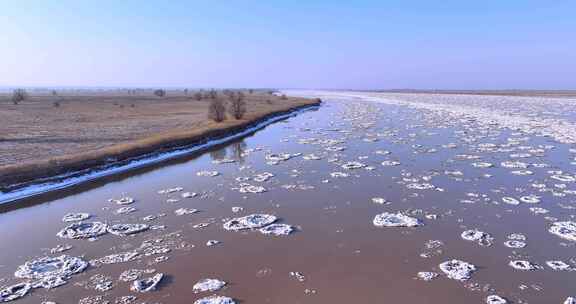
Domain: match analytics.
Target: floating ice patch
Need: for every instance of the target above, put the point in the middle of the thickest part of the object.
(184, 211)
(482, 165)
(215, 300)
(538, 210)
(564, 178)
(570, 300)
(75, 217)
(170, 190)
(565, 230)
(311, 157)
(115, 258)
(523, 265)
(262, 177)
(60, 248)
(494, 299)
(83, 230)
(277, 229)
(420, 186)
(457, 270)
(189, 194)
(252, 221)
(49, 282)
(510, 200)
(514, 164)
(530, 199)
(353, 165)
(474, 235)
(206, 285)
(390, 163)
(522, 172)
(14, 292)
(237, 209)
(379, 200)
(211, 243)
(206, 173)
(148, 284)
(339, 174)
(247, 188)
(46, 267)
(127, 229)
(514, 244)
(125, 210)
(559, 265)
(426, 275)
(395, 220)
(126, 200)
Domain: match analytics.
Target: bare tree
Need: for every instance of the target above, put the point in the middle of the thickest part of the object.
(160, 93)
(217, 110)
(237, 105)
(213, 94)
(198, 96)
(283, 97)
(18, 96)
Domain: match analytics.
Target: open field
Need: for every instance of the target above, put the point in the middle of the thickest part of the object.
(51, 133)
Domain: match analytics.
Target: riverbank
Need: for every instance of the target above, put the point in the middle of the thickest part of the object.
(101, 131)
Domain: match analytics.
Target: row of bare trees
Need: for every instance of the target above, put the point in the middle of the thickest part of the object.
(236, 106)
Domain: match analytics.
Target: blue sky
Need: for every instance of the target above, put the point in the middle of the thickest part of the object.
(290, 44)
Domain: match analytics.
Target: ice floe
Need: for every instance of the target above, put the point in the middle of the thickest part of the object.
(184, 211)
(51, 271)
(75, 217)
(277, 229)
(427, 275)
(474, 235)
(559, 265)
(125, 200)
(252, 221)
(215, 300)
(457, 269)
(14, 292)
(127, 229)
(83, 230)
(495, 299)
(206, 285)
(247, 188)
(565, 230)
(147, 284)
(523, 265)
(399, 219)
(207, 173)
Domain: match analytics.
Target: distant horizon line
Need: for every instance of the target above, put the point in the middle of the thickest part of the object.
(171, 87)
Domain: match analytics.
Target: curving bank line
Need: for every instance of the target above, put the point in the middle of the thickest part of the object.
(62, 181)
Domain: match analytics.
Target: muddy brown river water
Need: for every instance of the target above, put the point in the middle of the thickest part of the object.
(481, 164)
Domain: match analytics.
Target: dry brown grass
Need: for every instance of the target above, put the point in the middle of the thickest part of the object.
(88, 129)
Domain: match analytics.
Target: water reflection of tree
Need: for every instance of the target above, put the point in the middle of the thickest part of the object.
(237, 150)
(234, 151)
(218, 155)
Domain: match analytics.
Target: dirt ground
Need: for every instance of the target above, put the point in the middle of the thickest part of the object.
(45, 126)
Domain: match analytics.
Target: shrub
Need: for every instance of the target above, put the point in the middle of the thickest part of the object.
(283, 97)
(56, 104)
(198, 96)
(160, 93)
(217, 111)
(18, 96)
(237, 107)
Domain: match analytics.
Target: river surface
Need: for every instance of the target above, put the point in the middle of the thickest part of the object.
(502, 167)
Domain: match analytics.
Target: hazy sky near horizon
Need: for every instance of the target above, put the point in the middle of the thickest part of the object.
(290, 44)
